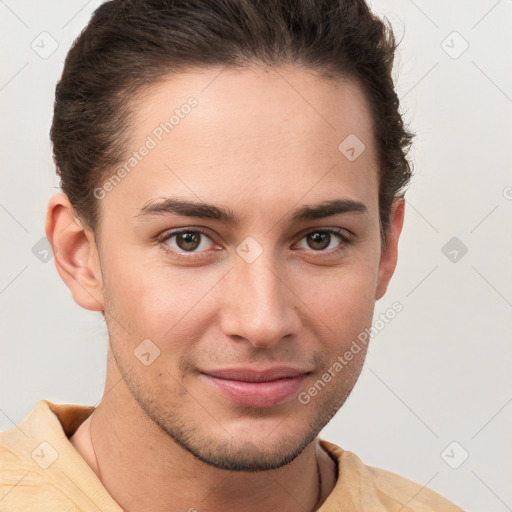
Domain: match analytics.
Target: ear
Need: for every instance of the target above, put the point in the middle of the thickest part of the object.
(389, 254)
(75, 253)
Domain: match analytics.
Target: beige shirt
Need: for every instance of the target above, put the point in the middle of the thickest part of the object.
(40, 470)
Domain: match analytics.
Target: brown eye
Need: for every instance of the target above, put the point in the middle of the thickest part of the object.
(188, 240)
(319, 240)
(191, 241)
(328, 241)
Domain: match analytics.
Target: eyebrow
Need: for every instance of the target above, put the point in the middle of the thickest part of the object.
(170, 205)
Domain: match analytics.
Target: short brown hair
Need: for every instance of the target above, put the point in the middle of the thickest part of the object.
(130, 44)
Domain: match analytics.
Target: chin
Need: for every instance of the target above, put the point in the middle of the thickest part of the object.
(247, 456)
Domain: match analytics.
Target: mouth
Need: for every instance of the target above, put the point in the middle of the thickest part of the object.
(256, 388)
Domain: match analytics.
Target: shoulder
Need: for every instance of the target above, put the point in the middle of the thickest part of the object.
(368, 488)
(28, 454)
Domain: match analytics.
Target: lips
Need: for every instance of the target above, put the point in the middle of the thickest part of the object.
(254, 387)
(252, 375)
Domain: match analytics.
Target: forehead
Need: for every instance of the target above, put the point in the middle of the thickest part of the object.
(251, 135)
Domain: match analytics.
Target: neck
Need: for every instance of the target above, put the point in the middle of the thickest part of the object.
(143, 468)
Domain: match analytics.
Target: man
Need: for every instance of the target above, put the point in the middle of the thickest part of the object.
(233, 178)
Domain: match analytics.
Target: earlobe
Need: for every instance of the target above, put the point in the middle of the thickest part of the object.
(75, 253)
(389, 255)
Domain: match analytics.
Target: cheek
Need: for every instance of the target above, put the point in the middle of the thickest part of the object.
(342, 306)
(345, 294)
(160, 302)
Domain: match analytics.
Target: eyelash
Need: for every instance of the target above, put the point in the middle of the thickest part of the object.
(165, 237)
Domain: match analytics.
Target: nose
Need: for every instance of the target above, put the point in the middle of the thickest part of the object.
(259, 304)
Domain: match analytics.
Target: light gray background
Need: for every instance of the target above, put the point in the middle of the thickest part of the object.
(439, 372)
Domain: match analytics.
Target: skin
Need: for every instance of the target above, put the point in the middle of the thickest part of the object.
(261, 142)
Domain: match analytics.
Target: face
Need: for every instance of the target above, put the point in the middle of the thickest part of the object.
(254, 275)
